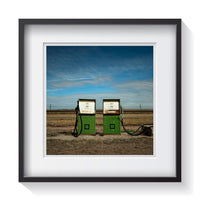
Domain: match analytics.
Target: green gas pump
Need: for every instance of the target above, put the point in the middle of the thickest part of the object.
(111, 116)
(86, 116)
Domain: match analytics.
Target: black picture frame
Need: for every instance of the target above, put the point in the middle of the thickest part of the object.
(24, 22)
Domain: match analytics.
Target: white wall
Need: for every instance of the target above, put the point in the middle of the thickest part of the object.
(11, 10)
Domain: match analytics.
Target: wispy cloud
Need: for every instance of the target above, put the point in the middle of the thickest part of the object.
(80, 82)
(138, 85)
(128, 99)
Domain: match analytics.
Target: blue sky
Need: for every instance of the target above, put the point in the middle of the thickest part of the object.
(98, 72)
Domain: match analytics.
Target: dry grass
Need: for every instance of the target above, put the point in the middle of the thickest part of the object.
(60, 141)
(58, 119)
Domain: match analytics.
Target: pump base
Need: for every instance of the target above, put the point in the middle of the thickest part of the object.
(111, 124)
(86, 124)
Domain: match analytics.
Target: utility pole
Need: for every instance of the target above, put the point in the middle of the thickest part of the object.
(140, 106)
(50, 107)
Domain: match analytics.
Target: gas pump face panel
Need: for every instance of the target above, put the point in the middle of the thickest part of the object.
(87, 107)
(111, 117)
(111, 107)
(87, 118)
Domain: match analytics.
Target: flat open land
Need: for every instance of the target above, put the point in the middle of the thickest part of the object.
(60, 124)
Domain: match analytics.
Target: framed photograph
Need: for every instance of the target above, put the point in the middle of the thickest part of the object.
(100, 100)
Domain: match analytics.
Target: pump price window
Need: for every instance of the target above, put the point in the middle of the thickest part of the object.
(111, 107)
(87, 107)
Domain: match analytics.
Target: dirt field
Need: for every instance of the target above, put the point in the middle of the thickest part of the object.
(60, 141)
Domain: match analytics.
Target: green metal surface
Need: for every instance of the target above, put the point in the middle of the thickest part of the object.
(88, 124)
(111, 124)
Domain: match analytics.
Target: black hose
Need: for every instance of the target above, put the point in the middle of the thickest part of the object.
(75, 132)
(136, 133)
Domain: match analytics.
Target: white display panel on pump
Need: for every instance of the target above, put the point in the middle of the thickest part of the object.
(87, 106)
(111, 107)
